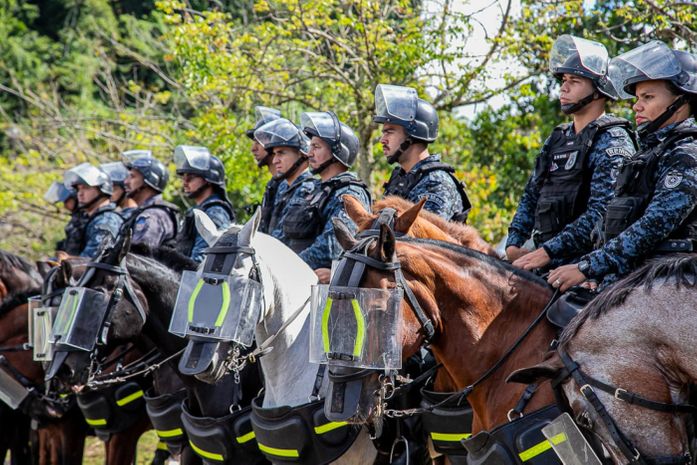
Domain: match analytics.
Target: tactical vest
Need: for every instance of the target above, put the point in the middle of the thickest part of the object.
(171, 210)
(277, 208)
(304, 222)
(635, 186)
(563, 177)
(267, 206)
(83, 238)
(401, 184)
(187, 232)
(74, 234)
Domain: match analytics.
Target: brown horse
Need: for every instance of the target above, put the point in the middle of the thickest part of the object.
(637, 336)
(479, 305)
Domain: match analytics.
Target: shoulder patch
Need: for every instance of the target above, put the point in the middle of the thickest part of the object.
(672, 180)
(617, 132)
(618, 152)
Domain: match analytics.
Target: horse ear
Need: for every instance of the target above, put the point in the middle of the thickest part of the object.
(355, 211)
(66, 272)
(549, 369)
(206, 227)
(343, 234)
(406, 219)
(250, 228)
(44, 266)
(386, 244)
(125, 245)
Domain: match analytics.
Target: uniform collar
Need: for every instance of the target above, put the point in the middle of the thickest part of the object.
(345, 174)
(659, 136)
(152, 200)
(429, 159)
(304, 176)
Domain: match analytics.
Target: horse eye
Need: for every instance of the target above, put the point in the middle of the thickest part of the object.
(584, 419)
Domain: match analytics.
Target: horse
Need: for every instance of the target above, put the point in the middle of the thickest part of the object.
(59, 436)
(634, 342)
(153, 276)
(282, 334)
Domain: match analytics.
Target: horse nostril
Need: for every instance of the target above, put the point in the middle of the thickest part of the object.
(584, 419)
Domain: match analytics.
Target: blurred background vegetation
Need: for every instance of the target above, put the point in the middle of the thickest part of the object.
(83, 80)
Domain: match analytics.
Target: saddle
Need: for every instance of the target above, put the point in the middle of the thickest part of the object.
(569, 305)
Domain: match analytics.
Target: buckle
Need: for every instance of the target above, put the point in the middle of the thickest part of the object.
(513, 411)
(586, 386)
(618, 392)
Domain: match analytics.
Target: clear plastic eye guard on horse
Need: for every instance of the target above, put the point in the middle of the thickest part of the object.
(217, 307)
(356, 327)
(79, 319)
(40, 320)
(188, 156)
(569, 443)
(395, 102)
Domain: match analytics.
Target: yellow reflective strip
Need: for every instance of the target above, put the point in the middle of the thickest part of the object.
(452, 437)
(325, 325)
(192, 300)
(292, 453)
(245, 437)
(206, 455)
(360, 329)
(544, 446)
(331, 426)
(96, 421)
(161, 446)
(169, 433)
(225, 305)
(129, 398)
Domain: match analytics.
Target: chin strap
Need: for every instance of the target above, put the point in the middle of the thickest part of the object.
(570, 108)
(394, 158)
(264, 161)
(196, 193)
(89, 204)
(649, 127)
(292, 169)
(323, 166)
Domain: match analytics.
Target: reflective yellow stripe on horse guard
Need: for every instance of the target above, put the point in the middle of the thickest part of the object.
(543, 446)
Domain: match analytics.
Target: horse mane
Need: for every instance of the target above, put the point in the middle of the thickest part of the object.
(494, 262)
(461, 232)
(9, 262)
(15, 299)
(167, 256)
(681, 268)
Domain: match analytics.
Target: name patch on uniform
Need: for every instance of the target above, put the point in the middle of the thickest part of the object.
(672, 180)
(618, 151)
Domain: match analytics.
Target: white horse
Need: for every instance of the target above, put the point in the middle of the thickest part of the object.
(289, 377)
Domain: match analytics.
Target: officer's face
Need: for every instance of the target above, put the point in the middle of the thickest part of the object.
(191, 183)
(86, 194)
(118, 193)
(70, 204)
(133, 181)
(284, 158)
(319, 152)
(574, 88)
(258, 151)
(652, 99)
(392, 137)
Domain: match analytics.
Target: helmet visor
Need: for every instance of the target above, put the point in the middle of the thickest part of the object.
(323, 124)
(277, 132)
(395, 102)
(130, 156)
(116, 171)
(57, 192)
(651, 61)
(265, 114)
(573, 53)
(187, 156)
(84, 174)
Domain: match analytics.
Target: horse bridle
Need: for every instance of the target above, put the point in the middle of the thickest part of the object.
(587, 385)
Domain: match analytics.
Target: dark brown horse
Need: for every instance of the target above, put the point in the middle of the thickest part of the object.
(479, 305)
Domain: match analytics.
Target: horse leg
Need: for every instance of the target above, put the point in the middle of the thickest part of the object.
(121, 447)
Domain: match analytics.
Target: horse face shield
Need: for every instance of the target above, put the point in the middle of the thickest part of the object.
(217, 307)
(356, 327)
(569, 443)
(40, 320)
(79, 319)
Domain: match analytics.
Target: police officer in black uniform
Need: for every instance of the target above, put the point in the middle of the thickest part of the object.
(203, 176)
(75, 229)
(118, 173)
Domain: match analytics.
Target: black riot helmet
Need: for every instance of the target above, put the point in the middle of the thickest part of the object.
(341, 139)
(584, 58)
(117, 172)
(283, 133)
(88, 175)
(199, 161)
(262, 115)
(154, 172)
(655, 61)
(57, 192)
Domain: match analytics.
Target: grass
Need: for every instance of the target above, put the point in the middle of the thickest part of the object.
(94, 450)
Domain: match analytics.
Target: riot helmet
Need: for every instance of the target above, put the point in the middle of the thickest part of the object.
(154, 172)
(341, 139)
(116, 171)
(263, 115)
(58, 192)
(88, 175)
(282, 132)
(402, 106)
(199, 161)
(655, 61)
(584, 58)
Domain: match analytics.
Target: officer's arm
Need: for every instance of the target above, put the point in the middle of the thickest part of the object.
(148, 230)
(604, 160)
(674, 199)
(96, 235)
(520, 229)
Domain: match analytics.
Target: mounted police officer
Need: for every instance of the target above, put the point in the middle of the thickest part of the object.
(288, 145)
(275, 187)
(574, 175)
(203, 176)
(118, 173)
(94, 190)
(75, 229)
(308, 223)
(409, 125)
(154, 221)
(653, 211)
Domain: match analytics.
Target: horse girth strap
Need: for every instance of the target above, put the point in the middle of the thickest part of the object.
(586, 385)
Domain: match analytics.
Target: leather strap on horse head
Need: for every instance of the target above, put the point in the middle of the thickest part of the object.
(587, 384)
